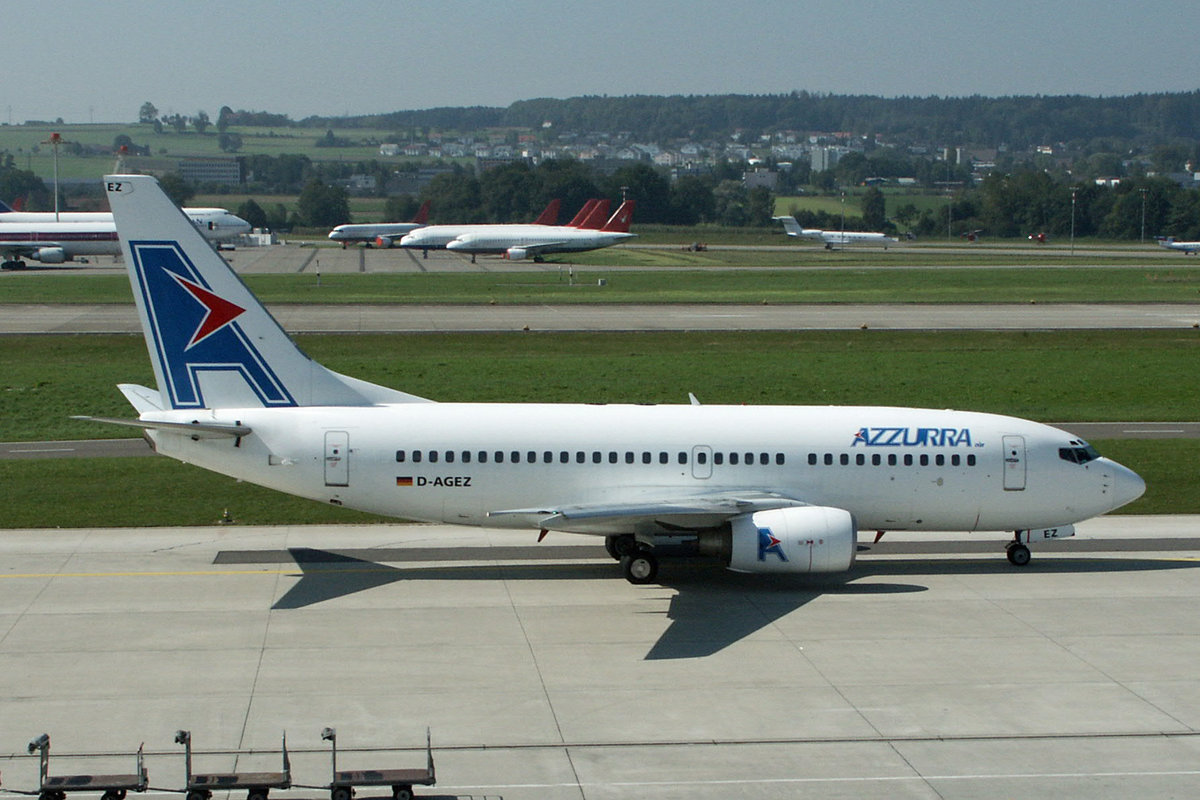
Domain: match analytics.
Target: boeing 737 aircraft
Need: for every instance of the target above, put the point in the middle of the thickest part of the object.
(36, 235)
(834, 239)
(382, 234)
(1188, 248)
(765, 489)
(535, 241)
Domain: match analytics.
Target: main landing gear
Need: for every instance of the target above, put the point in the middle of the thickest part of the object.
(638, 564)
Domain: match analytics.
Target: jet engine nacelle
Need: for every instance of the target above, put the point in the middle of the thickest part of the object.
(516, 253)
(803, 539)
(383, 241)
(49, 255)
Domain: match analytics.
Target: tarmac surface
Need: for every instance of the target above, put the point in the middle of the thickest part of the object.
(933, 669)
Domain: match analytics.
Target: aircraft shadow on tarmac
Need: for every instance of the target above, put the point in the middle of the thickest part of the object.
(711, 608)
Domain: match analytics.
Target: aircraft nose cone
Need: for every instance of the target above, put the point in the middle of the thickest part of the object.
(1127, 485)
(455, 245)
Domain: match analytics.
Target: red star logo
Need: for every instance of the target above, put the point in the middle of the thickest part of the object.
(218, 312)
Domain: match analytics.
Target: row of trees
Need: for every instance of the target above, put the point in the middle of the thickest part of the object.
(1031, 202)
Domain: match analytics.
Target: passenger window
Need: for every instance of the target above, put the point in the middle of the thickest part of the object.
(483, 456)
(433, 456)
(734, 459)
(596, 456)
(530, 457)
(718, 458)
(970, 461)
(645, 456)
(940, 460)
(749, 459)
(564, 457)
(580, 456)
(663, 458)
(682, 457)
(860, 460)
(829, 459)
(955, 460)
(812, 459)
(908, 461)
(702, 457)
(466, 456)
(924, 460)
(612, 456)
(449, 456)
(547, 457)
(400, 456)
(628, 456)
(515, 457)
(764, 458)
(844, 459)
(876, 459)
(499, 456)
(779, 459)
(416, 456)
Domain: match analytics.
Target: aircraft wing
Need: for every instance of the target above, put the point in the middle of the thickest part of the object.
(541, 247)
(666, 514)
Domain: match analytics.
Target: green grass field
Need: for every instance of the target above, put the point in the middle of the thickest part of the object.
(842, 284)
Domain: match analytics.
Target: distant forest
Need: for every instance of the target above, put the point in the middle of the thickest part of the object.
(1018, 122)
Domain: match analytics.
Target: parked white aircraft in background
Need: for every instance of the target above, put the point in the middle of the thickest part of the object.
(381, 234)
(1187, 247)
(778, 489)
(218, 224)
(833, 239)
(435, 237)
(535, 241)
(37, 236)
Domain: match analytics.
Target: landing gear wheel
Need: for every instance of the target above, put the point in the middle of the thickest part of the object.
(341, 793)
(623, 545)
(610, 547)
(402, 793)
(1018, 554)
(639, 568)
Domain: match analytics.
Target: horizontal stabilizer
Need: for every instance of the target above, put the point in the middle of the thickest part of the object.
(202, 430)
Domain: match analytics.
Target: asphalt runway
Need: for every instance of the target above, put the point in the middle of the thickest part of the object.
(933, 669)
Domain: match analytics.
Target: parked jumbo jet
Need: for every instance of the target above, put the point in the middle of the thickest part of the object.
(36, 235)
(535, 241)
(765, 489)
(834, 239)
(435, 237)
(381, 234)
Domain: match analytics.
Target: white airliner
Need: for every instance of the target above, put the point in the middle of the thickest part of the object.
(834, 239)
(1188, 248)
(36, 235)
(764, 489)
(535, 241)
(435, 237)
(381, 234)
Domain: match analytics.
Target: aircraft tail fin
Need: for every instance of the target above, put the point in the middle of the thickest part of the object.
(577, 220)
(597, 216)
(790, 225)
(422, 215)
(212, 343)
(619, 221)
(550, 215)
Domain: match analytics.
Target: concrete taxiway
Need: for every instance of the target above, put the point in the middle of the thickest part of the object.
(931, 670)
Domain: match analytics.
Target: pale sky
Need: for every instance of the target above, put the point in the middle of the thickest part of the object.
(84, 60)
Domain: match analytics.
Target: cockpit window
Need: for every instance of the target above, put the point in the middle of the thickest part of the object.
(1080, 452)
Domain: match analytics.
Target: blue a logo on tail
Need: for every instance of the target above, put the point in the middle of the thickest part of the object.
(195, 331)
